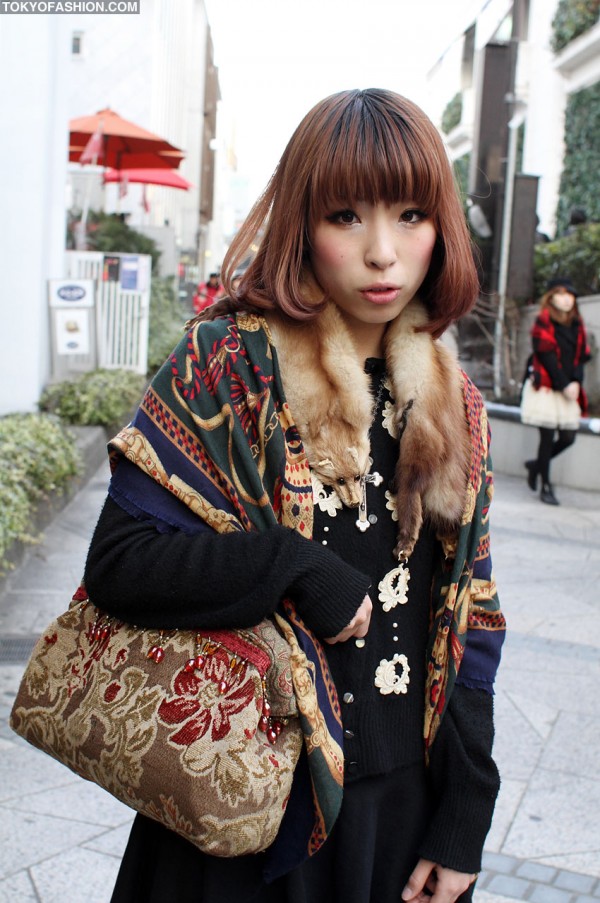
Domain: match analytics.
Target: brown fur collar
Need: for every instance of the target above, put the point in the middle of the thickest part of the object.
(329, 396)
(432, 471)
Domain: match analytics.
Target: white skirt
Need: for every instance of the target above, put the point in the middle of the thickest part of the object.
(548, 408)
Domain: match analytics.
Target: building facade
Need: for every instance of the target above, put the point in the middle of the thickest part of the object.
(540, 82)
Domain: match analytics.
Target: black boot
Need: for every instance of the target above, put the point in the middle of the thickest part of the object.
(532, 474)
(547, 495)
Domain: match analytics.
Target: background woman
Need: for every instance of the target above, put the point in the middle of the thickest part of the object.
(553, 397)
(315, 415)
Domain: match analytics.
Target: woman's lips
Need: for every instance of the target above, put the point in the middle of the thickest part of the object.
(380, 294)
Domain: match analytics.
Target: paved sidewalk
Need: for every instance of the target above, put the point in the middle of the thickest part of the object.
(61, 838)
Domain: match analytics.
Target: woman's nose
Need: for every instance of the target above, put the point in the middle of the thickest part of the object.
(381, 249)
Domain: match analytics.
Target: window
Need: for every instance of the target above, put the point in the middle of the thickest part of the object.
(77, 43)
(468, 55)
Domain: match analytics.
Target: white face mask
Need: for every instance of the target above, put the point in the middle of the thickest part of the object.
(563, 300)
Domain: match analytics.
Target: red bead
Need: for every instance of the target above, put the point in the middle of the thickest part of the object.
(266, 709)
(222, 686)
(200, 661)
(152, 652)
(190, 665)
(263, 724)
(159, 654)
(272, 735)
(278, 727)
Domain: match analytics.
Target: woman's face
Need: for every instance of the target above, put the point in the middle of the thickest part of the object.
(563, 300)
(370, 259)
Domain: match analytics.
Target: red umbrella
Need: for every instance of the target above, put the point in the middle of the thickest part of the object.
(167, 177)
(109, 140)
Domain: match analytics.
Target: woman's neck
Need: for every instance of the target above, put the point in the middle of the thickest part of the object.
(367, 338)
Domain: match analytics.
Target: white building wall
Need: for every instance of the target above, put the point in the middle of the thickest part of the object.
(546, 97)
(179, 64)
(34, 51)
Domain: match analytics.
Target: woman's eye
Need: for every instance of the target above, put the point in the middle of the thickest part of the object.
(412, 216)
(343, 217)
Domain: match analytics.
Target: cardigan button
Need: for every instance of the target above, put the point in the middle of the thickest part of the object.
(352, 767)
(348, 734)
(348, 698)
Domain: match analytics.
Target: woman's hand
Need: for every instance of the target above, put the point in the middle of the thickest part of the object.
(571, 391)
(358, 626)
(444, 885)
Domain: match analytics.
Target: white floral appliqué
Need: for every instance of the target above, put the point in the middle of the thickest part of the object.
(388, 412)
(393, 589)
(387, 678)
(325, 497)
(389, 419)
(390, 504)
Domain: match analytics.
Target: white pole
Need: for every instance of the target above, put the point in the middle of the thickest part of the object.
(509, 193)
(80, 227)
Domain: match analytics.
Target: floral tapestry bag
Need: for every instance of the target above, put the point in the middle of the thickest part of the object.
(197, 731)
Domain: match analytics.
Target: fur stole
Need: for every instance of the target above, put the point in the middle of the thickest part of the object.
(331, 403)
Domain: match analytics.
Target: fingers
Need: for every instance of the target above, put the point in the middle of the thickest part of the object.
(362, 619)
(413, 892)
(444, 885)
(571, 391)
(358, 626)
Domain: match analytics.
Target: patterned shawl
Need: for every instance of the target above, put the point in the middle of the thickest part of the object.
(468, 627)
(214, 431)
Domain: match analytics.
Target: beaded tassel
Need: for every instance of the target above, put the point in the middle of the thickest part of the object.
(269, 725)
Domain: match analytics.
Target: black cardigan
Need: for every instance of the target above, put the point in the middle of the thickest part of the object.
(152, 575)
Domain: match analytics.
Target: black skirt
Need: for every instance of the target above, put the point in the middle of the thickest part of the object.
(367, 859)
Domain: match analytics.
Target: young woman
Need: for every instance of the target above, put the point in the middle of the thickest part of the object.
(352, 454)
(554, 398)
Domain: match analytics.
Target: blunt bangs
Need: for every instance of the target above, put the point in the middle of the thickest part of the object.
(368, 152)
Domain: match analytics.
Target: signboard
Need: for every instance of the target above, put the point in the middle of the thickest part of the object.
(136, 270)
(130, 272)
(71, 293)
(111, 268)
(72, 331)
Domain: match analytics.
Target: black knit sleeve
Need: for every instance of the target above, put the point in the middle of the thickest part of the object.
(549, 362)
(465, 782)
(174, 579)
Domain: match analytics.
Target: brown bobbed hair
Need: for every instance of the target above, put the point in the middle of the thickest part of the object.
(371, 146)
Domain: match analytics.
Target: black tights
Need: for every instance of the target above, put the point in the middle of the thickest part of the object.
(548, 448)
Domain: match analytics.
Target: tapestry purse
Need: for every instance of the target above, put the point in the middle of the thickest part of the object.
(197, 731)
